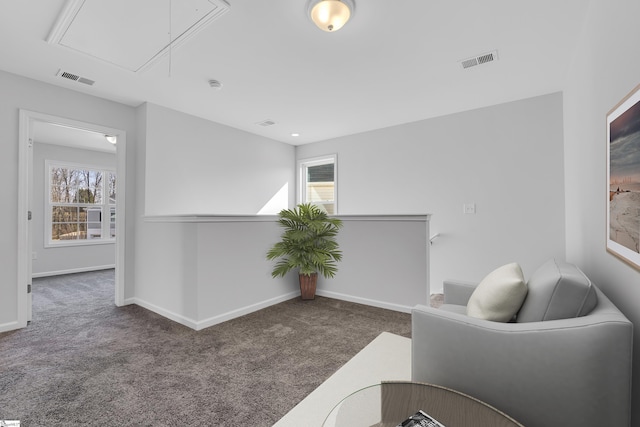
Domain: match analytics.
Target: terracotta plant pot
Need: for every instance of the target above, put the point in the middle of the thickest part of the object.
(308, 285)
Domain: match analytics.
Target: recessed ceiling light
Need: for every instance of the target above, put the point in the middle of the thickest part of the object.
(295, 134)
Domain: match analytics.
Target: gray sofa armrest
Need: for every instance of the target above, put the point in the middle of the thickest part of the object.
(457, 292)
(585, 360)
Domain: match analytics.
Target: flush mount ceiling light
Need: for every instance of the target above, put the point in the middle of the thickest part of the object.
(330, 15)
(111, 139)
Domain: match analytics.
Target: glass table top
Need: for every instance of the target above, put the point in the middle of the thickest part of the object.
(389, 404)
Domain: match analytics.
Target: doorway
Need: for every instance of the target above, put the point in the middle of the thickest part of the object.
(28, 120)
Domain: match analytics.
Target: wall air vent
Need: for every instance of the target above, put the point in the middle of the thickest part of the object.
(266, 123)
(75, 77)
(480, 59)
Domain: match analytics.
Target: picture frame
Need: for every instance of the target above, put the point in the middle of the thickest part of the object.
(623, 179)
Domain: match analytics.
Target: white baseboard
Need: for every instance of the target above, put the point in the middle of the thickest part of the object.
(244, 310)
(73, 270)
(178, 318)
(365, 301)
(10, 326)
(202, 324)
(198, 325)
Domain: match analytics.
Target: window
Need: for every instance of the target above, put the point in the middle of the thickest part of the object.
(318, 182)
(80, 204)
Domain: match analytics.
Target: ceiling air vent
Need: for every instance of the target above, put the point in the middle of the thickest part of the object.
(266, 123)
(75, 77)
(480, 59)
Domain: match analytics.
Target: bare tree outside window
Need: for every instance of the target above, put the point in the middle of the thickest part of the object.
(78, 205)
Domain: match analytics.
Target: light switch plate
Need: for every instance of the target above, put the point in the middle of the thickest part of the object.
(469, 208)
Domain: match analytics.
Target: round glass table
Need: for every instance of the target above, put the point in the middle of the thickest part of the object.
(390, 403)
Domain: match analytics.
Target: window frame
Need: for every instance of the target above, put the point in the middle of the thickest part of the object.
(305, 163)
(105, 206)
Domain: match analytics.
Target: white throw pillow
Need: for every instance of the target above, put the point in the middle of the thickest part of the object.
(500, 294)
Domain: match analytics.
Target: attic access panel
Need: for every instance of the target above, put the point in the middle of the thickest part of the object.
(132, 34)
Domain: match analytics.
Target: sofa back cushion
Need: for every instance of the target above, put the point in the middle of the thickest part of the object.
(557, 290)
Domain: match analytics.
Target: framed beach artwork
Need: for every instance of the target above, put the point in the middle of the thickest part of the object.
(623, 175)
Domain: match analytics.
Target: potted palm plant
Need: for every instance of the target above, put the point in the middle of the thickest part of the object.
(308, 244)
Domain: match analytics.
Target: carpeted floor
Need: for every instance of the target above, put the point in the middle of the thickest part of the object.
(83, 361)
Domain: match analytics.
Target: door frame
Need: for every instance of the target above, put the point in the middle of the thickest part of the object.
(25, 164)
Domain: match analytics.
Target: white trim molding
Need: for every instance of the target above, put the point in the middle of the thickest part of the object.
(74, 270)
(364, 301)
(25, 160)
(202, 324)
(244, 310)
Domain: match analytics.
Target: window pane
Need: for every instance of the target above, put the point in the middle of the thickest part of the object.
(64, 231)
(112, 222)
(112, 188)
(82, 214)
(330, 208)
(82, 231)
(55, 193)
(95, 186)
(83, 196)
(62, 185)
(320, 173)
(78, 198)
(94, 223)
(94, 230)
(319, 191)
(88, 186)
(64, 214)
(74, 184)
(320, 185)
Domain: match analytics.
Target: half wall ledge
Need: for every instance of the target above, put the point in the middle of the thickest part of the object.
(267, 218)
(212, 268)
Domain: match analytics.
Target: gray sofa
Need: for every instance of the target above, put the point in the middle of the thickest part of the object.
(565, 360)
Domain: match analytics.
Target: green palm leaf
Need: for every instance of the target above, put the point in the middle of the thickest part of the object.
(307, 242)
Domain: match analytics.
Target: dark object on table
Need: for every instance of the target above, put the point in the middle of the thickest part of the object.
(420, 419)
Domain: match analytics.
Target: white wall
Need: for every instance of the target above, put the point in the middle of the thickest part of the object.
(22, 93)
(69, 259)
(203, 271)
(605, 69)
(507, 159)
(384, 262)
(194, 166)
(195, 273)
(233, 274)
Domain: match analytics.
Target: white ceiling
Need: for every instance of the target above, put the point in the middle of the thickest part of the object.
(48, 133)
(387, 66)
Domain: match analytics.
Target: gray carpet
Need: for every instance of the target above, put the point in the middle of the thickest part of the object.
(83, 361)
